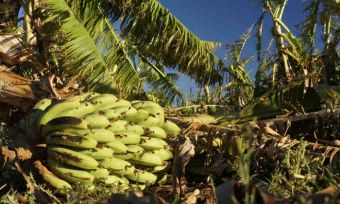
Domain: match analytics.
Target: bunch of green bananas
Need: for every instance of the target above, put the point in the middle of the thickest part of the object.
(97, 136)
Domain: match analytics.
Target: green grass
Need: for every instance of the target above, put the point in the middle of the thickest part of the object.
(299, 172)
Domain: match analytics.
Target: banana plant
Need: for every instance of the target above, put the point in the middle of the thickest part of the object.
(239, 88)
(323, 14)
(98, 44)
(275, 8)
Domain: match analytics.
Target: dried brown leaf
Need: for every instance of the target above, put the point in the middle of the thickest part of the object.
(23, 154)
(8, 155)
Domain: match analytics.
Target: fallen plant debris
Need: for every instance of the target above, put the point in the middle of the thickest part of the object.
(209, 151)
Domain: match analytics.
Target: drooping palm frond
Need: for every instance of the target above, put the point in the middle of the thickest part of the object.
(235, 48)
(308, 26)
(262, 78)
(162, 83)
(240, 73)
(239, 87)
(167, 90)
(161, 37)
(82, 56)
(112, 48)
(259, 35)
(296, 50)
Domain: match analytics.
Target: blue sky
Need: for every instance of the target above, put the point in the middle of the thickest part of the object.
(225, 20)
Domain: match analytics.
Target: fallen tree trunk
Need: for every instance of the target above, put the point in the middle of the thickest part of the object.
(17, 91)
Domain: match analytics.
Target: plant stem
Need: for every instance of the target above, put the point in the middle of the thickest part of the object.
(277, 14)
(29, 33)
(207, 93)
(326, 32)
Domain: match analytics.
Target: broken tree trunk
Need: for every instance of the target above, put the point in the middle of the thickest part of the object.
(18, 91)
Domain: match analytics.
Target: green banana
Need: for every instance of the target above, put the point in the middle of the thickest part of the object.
(74, 131)
(134, 128)
(121, 103)
(135, 102)
(124, 156)
(138, 116)
(124, 126)
(84, 109)
(141, 176)
(114, 164)
(151, 143)
(156, 132)
(152, 108)
(100, 173)
(71, 157)
(42, 104)
(101, 102)
(55, 110)
(145, 104)
(132, 151)
(127, 170)
(36, 113)
(117, 146)
(151, 121)
(158, 111)
(165, 144)
(147, 159)
(110, 114)
(71, 140)
(98, 153)
(61, 185)
(128, 137)
(171, 128)
(117, 126)
(112, 105)
(121, 109)
(82, 97)
(137, 186)
(70, 174)
(116, 180)
(135, 149)
(164, 154)
(63, 123)
(159, 168)
(96, 121)
(101, 135)
(129, 113)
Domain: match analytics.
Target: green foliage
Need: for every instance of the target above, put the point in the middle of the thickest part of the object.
(239, 88)
(309, 25)
(160, 36)
(162, 84)
(259, 34)
(80, 50)
(107, 58)
(116, 53)
(262, 77)
(297, 173)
